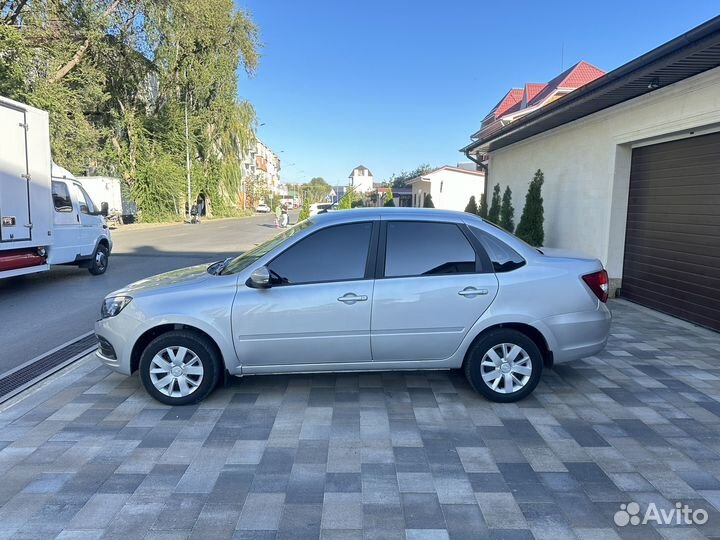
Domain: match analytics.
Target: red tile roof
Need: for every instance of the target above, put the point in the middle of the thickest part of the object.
(532, 90)
(572, 78)
(513, 97)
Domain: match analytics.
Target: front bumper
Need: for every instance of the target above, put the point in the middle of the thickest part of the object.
(581, 334)
(118, 332)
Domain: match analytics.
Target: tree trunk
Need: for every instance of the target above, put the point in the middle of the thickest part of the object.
(80, 53)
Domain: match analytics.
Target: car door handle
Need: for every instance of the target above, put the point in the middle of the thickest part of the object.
(472, 291)
(351, 298)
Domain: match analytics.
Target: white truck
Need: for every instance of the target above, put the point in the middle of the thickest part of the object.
(46, 217)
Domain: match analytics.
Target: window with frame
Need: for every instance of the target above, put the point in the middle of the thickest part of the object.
(337, 253)
(503, 257)
(420, 248)
(84, 201)
(61, 197)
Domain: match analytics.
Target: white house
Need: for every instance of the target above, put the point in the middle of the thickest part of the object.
(361, 179)
(632, 173)
(450, 187)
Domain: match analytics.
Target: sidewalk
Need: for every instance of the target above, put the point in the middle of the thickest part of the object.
(376, 455)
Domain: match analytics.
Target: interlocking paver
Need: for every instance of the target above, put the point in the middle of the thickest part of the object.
(376, 455)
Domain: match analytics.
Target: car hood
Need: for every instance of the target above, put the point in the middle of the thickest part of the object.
(174, 278)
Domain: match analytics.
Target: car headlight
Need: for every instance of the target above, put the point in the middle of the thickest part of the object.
(113, 305)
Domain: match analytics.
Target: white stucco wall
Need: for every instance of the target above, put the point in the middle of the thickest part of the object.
(587, 163)
(450, 190)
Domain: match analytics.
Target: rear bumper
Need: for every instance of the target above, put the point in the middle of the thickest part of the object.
(578, 335)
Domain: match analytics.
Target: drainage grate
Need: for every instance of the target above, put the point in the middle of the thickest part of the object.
(44, 366)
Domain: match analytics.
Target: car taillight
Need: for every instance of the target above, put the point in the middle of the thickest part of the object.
(598, 283)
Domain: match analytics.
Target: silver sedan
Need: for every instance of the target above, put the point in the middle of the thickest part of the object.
(357, 290)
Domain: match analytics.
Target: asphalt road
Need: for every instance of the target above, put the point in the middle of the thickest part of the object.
(42, 311)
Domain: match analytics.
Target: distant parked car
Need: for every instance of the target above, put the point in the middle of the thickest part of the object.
(262, 208)
(442, 290)
(320, 208)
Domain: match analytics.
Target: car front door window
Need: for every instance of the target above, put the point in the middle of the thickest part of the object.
(336, 253)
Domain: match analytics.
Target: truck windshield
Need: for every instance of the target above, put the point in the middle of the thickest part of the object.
(249, 257)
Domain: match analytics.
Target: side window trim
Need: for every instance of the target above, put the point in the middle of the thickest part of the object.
(483, 264)
(369, 262)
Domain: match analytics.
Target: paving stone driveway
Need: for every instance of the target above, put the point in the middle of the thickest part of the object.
(391, 455)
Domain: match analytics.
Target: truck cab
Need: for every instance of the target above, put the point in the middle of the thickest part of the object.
(81, 235)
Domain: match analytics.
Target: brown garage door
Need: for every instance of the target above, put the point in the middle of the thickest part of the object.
(672, 244)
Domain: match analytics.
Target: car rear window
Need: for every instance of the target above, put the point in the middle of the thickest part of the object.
(503, 257)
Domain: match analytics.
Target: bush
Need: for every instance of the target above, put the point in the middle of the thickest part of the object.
(483, 210)
(494, 212)
(507, 212)
(530, 227)
(428, 202)
(305, 211)
(471, 207)
(389, 198)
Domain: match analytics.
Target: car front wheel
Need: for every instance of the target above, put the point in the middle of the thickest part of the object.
(180, 368)
(504, 366)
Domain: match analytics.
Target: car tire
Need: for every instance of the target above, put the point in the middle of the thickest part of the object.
(100, 260)
(504, 356)
(200, 366)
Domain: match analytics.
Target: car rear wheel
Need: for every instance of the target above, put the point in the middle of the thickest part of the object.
(180, 367)
(505, 365)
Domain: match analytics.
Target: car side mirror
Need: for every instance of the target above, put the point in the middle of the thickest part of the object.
(260, 278)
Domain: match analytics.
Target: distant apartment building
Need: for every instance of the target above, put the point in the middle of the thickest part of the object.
(261, 163)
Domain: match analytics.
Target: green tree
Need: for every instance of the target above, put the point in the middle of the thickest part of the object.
(530, 227)
(399, 180)
(117, 78)
(346, 202)
(507, 212)
(494, 212)
(389, 200)
(472, 206)
(428, 202)
(483, 209)
(317, 189)
(305, 210)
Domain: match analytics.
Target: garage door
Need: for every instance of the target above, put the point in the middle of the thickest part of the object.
(672, 245)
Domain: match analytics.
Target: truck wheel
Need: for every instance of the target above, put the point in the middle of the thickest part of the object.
(99, 260)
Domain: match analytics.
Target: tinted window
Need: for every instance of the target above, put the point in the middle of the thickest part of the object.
(61, 197)
(333, 254)
(424, 249)
(503, 257)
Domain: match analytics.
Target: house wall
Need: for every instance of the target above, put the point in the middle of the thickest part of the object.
(450, 190)
(587, 164)
(419, 189)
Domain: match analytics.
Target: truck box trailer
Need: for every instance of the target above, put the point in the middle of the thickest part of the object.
(46, 217)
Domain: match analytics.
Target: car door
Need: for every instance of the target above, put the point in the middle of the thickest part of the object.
(317, 310)
(89, 221)
(434, 283)
(68, 242)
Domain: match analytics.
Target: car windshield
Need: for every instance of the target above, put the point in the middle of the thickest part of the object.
(243, 261)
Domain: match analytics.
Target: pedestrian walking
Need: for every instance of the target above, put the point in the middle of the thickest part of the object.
(278, 216)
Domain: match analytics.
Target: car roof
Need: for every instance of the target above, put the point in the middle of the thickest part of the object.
(391, 212)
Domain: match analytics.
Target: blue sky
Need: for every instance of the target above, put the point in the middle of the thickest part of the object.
(392, 84)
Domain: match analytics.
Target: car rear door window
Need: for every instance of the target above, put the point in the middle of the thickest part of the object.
(415, 248)
(336, 253)
(503, 257)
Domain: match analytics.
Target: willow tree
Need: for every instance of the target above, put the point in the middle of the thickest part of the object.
(116, 77)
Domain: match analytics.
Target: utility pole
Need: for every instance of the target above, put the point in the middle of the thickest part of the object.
(187, 155)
